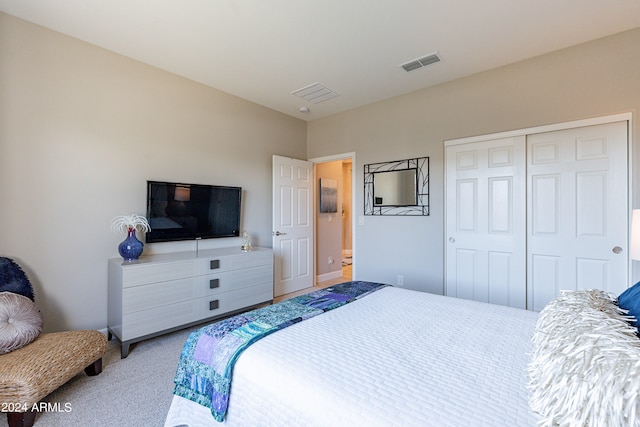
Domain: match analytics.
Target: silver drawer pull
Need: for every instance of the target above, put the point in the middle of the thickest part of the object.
(215, 263)
(213, 305)
(214, 283)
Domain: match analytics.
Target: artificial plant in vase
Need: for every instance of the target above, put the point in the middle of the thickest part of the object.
(130, 248)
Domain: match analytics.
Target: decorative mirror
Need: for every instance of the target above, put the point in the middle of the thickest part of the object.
(400, 187)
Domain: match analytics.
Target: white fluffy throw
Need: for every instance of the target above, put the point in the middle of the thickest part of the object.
(585, 366)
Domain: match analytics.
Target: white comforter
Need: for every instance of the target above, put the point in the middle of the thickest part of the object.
(395, 357)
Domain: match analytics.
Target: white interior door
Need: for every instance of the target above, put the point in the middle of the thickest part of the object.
(578, 207)
(293, 244)
(486, 230)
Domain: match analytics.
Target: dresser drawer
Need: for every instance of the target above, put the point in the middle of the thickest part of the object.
(140, 298)
(251, 259)
(240, 260)
(150, 321)
(141, 274)
(249, 277)
(232, 300)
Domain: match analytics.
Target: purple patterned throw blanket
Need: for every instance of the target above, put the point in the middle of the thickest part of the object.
(207, 359)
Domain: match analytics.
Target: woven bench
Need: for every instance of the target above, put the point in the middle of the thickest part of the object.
(30, 373)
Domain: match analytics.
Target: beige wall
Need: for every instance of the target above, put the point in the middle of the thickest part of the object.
(82, 129)
(594, 79)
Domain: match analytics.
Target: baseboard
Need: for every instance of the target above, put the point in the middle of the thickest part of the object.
(329, 276)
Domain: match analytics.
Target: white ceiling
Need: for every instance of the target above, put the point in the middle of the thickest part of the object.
(264, 50)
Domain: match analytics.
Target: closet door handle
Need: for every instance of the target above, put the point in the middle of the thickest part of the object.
(616, 249)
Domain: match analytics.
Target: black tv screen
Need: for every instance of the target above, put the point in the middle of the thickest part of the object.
(192, 211)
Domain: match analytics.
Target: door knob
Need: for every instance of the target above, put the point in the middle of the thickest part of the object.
(616, 249)
(277, 233)
(452, 240)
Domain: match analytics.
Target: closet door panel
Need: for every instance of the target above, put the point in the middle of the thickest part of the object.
(545, 204)
(591, 273)
(591, 198)
(500, 278)
(578, 198)
(486, 230)
(500, 205)
(544, 272)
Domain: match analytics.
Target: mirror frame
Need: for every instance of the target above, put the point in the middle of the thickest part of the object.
(421, 164)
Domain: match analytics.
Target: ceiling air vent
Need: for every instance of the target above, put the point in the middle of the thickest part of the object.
(421, 62)
(315, 93)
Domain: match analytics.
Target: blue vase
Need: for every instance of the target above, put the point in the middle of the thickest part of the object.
(131, 248)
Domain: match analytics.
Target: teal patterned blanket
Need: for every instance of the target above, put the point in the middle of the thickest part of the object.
(207, 359)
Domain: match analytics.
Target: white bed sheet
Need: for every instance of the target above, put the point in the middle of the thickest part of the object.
(394, 358)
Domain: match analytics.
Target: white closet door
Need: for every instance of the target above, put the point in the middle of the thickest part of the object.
(486, 231)
(578, 207)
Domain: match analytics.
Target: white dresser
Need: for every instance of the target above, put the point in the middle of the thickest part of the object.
(162, 293)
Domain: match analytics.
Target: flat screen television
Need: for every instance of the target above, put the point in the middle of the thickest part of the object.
(192, 211)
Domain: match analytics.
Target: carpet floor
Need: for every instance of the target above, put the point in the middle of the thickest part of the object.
(135, 391)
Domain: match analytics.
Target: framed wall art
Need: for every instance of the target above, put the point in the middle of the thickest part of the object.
(328, 195)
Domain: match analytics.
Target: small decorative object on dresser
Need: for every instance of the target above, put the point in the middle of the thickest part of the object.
(130, 248)
(246, 241)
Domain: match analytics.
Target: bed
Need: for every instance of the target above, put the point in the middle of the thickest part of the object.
(393, 357)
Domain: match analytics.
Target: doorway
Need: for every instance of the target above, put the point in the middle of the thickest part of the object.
(334, 248)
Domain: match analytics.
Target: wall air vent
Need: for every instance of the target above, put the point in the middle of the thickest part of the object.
(315, 93)
(434, 58)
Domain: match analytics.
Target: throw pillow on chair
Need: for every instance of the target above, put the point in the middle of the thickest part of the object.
(20, 321)
(13, 279)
